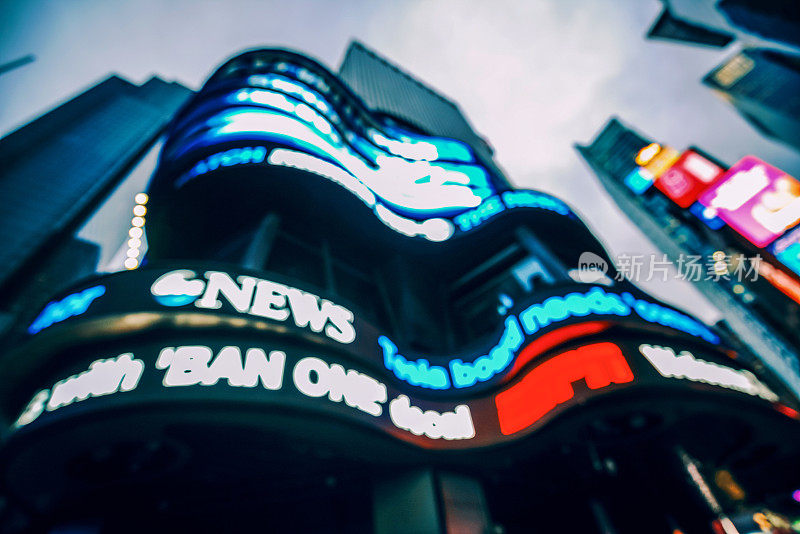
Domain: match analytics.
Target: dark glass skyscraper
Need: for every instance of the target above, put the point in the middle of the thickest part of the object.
(339, 316)
(762, 80)
(764, 86)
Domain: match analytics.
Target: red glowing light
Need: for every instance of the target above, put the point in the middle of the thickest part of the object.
(550, 384)
(789, 412)
(555, 338)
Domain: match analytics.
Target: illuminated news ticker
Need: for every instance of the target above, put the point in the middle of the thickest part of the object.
(600, 365)
(534, 325)
(685, 365)
(687, 178)
(254, 368)
(433, 229)
(520, 405)
(466, 371)
(413, 183)
(756, 199)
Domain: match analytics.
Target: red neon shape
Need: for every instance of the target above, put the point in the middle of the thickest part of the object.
(550, 384)
(555, 338)
(789, 412)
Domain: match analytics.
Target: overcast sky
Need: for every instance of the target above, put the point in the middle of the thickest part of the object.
(532, 76)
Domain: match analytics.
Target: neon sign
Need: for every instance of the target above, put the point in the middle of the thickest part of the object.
(69, 306)
(686, 366)
(707, 215)
(414, 183)
(688, 177)
(103, 377)
(787, 250)
(191, 365)
(532, 319)
(496, 204)
(257, 297)
(639, 180)
(756, 199)
(448, 425)
(186, 366)
(416, 187)
(550, 384)
(315, 378)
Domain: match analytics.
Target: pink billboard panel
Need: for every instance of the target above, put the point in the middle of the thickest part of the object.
(756, 199)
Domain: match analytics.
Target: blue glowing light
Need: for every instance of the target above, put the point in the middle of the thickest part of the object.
(420, 189)
(496, 204)
(228, 158)
(69, 306)
(535, 317)
(639, 180)
(787, 249)
(707, 215)
(415, 175)
(599, 302)
(466, 374)
(417, 373)
(418, 185)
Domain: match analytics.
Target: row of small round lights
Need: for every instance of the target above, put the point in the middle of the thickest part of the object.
(136, 231)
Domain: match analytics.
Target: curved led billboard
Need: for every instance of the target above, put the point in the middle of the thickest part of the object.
(544, 320)
(291, 113)
(194, 337)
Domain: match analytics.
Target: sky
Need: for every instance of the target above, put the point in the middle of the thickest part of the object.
(533, 77)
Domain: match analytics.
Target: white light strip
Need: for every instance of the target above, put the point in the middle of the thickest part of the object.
(136, 232)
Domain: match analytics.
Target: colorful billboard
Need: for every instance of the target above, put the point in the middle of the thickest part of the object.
(707, 215)
(787, 250)
(639, 180)
(756, 199)
(688, 178)
(656, 159)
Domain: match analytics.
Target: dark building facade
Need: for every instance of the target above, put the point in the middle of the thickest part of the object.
(764, 86)
(338, 316)
(717, 23)
(57, 168)
(762, 80)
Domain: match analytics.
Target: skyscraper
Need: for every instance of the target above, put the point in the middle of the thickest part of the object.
(58, 168)
(764, 86)
(338, 316)
(762, 80)
(762, 315)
